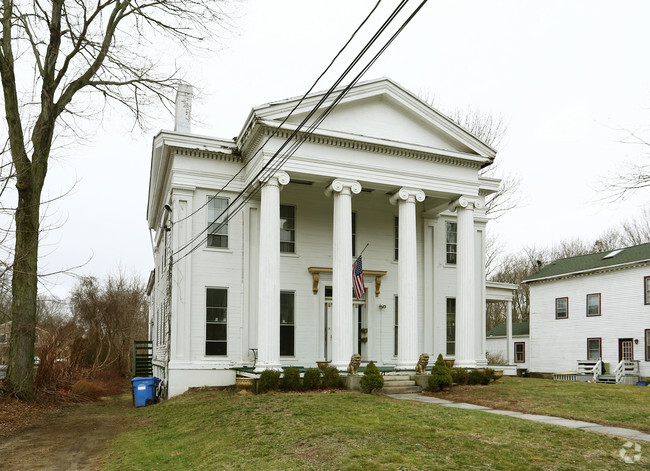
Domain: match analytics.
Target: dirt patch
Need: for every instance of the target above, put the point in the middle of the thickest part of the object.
(70, 438)
(481, 396)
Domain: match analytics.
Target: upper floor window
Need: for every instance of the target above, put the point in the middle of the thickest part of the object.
(216, 320)
(593, 304)
(396, 239)
(646, 281)
(452, 242)
(354, 234)
(287, 229)
(218, 219)
(561, 308)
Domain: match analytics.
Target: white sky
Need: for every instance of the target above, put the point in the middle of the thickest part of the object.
(565, 76)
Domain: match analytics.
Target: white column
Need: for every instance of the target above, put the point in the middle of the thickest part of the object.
(268, 302)
(466, 306)
(509, 345)
(428, 286)
(342, 319)
(407, 279)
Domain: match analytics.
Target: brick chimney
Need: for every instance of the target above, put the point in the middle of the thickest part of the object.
(183, 115)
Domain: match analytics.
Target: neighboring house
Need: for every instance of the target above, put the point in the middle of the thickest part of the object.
(272, 285)
(5, 333)
(518, 352)
(589, 308)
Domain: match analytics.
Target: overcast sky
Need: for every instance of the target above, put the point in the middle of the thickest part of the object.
(565, 76)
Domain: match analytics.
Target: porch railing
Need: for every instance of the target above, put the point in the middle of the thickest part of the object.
(626, 368)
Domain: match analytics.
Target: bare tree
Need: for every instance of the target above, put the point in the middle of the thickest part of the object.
(76, 51)
(633, 175)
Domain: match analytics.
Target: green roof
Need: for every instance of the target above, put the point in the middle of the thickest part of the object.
(592, 262)
(520, 328)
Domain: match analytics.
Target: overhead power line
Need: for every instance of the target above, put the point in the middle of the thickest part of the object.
(273, 165)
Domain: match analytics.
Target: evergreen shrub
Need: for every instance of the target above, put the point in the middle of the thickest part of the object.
(476, 377)
(290, 379)
(372, 378)
(311, 379)
(440, 375)
(269, 381)
(461, 375)
(331, 378)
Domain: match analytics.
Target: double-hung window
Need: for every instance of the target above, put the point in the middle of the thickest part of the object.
(216, 320)
(287, 326)
(396, 328)
(646, 282)
(451, 326)
(396, 238)
(520, 352)
(218, 223)
(287, 229)
(452, 242)
(561, 308)
(594, 352)
(593, 305)
(647, 345)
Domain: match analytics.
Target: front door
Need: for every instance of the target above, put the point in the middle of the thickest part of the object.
(359, 309)
(625, 349)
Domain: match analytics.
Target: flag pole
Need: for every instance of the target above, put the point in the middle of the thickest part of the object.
(364, 249)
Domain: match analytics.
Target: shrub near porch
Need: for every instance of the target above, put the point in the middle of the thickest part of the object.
(346, 430)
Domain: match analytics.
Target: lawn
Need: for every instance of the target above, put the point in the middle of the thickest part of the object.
(346, 430)
(608, 404)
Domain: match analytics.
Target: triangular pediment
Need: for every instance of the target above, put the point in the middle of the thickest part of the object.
(382, 111)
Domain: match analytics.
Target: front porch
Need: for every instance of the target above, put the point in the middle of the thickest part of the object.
(596, 371)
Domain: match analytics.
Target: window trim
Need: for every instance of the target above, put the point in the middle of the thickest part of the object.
(600, 347)
(599, 305)
(206, 322)
(523, 344)
(647, 344)
(646, 290)
(227, 225)
(295, 218)
(293, 324)
(567, 307)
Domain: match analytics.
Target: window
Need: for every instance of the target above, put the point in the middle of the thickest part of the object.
(593, 305)
(216, 315)
(452, 241)
(396, 239)
(647, 345)
(286, 323)
(396, 325)
(354, 234)
(218, 228)
(646, 280)
(561, 308)
(520, 352)
(3, 338)
(594, 352)
(287, 229)
(451, 326)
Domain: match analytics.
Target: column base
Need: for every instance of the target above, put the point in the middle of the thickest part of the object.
(471, 364)
(406, 365)
(261, 367)
(481, 362)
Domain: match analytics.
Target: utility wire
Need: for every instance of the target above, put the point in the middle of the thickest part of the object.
(302, 138)
(255, 181)
(286, 117)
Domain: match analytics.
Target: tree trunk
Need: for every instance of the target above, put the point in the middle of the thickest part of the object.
(20, 375)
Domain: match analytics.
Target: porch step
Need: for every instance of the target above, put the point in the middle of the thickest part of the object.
(399, 384)
(609, 379)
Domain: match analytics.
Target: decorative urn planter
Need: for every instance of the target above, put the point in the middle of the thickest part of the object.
(323, 364)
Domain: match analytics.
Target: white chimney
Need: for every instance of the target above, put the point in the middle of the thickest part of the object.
(183, 115)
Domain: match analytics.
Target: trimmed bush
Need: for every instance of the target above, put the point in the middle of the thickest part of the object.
(269, 381)
(290, 379)
(311, 380)
(460, 375)
(331, 378)
(440, 375)
(372, 378)
(489, 375)
(475, 377)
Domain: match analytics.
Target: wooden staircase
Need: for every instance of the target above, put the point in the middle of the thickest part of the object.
(142, 358)
(399, 384)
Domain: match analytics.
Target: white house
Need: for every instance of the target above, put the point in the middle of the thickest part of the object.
(590, 308)
(273, 285)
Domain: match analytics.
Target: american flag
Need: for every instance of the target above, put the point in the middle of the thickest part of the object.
(357, 278)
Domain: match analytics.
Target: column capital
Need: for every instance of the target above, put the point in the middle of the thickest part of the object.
(466, 202)
(344, 187)
(277, 179)
(410, 195)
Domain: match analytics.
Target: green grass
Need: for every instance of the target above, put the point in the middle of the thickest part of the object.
(343, 430)
(608, 404)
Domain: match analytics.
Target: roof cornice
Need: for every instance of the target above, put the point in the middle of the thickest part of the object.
(576, 274)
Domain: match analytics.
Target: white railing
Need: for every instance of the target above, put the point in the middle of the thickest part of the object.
(625, 368)
(596, 370)
(586, 367)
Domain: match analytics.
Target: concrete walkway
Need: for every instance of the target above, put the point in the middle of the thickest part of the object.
(545, 419)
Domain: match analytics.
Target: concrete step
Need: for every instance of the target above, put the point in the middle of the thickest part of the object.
(391, 378)
(395, 384)
(400, 389)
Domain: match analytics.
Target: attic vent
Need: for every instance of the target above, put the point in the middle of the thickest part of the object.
(613, 254)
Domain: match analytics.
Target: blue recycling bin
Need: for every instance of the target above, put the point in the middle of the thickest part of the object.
(144, 391)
